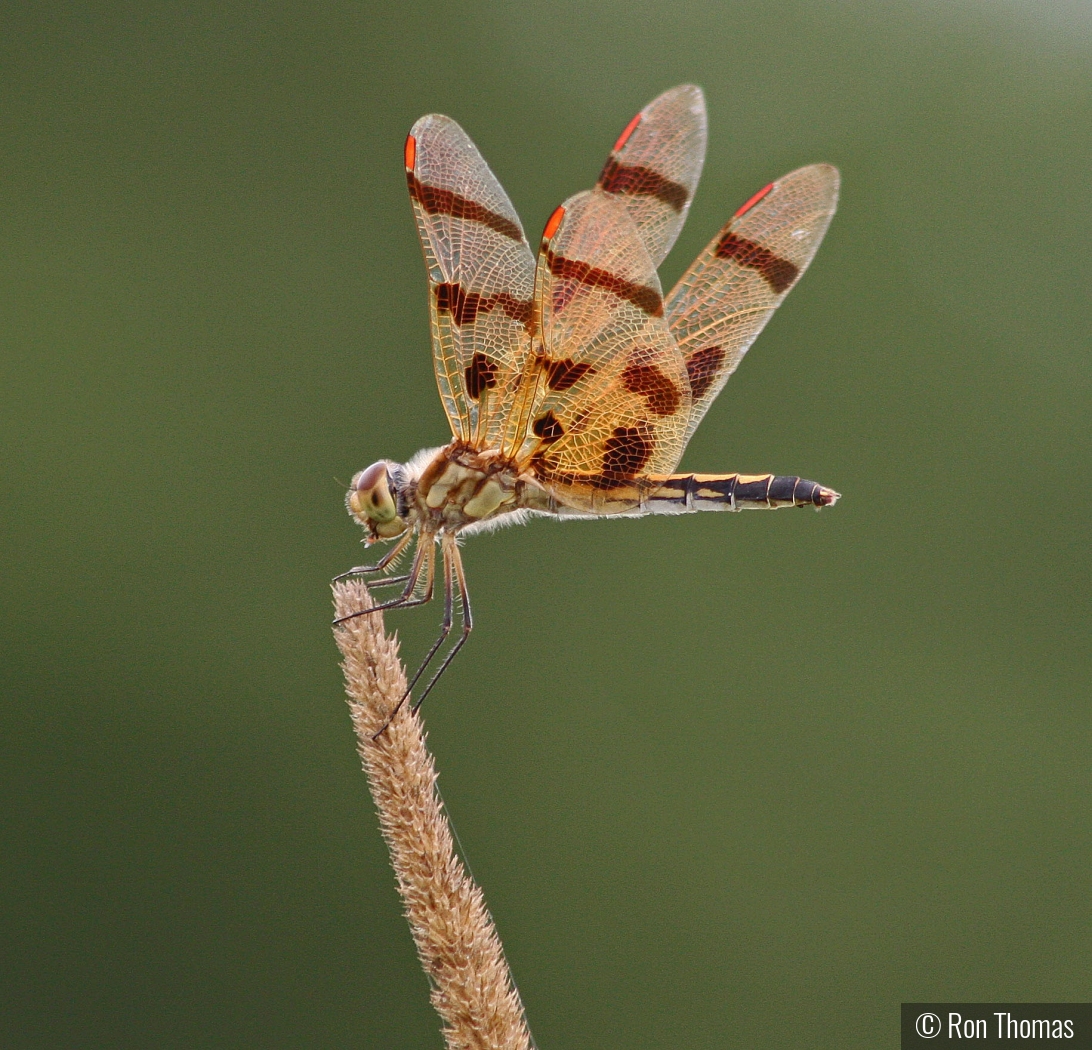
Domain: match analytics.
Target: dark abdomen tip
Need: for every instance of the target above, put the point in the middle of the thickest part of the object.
(801, 492)
(821, 496)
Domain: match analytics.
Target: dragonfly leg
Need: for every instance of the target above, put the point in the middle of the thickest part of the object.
(381, 565)
(387, 581)
(424, 559)
(445, 630)
(445, 624)
(468, 622)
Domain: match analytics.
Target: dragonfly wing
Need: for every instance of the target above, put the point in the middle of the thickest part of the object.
(607, 392)
(656, 163)
(723, 301)
(481, 276)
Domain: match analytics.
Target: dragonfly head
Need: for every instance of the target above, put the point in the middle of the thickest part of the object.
(372, 500)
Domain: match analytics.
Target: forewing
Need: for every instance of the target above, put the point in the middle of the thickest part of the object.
(610, 395)
(481, 276)
(656, 163)
(726, 297)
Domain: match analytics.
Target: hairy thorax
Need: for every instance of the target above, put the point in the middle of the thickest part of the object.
(462, 486)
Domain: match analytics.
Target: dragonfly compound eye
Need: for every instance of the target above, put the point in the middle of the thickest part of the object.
(370, 500)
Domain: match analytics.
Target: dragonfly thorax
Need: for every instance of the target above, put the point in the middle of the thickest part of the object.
(441, 490)
(461, 485)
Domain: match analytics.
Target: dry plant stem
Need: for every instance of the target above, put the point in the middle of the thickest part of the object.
(457, 944)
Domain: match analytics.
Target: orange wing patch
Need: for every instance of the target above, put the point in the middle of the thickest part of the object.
(750, 202)
(627, 131)
(553, 222)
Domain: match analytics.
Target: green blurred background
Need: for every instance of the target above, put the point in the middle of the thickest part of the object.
(726, 781)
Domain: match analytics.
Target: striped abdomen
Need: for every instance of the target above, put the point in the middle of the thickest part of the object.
(683, 493)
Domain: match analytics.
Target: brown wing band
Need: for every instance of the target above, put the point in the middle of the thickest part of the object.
(640, 181)
(562, 375)
(625, 454)
(702, 367)
(437, 201)
(548, 427)
(480, 374)
(660, 393)
(643, 297)
(778, 273)
(464, 306)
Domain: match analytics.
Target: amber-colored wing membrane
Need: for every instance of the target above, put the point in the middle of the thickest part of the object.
(481, 277)
(656, 163)
(606, 397)
(722, 302)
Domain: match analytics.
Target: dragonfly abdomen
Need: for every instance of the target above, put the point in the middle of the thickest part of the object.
(685, 493)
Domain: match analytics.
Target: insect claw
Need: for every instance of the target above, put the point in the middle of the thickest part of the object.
(352, 616)
(359, 570)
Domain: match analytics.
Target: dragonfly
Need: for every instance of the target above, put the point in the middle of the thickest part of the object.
(571, 382)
